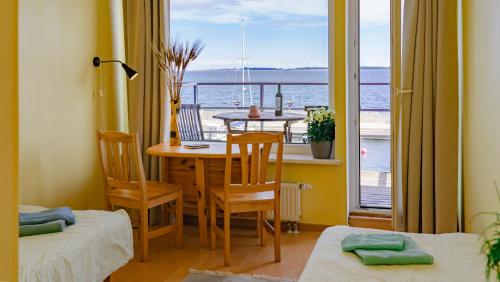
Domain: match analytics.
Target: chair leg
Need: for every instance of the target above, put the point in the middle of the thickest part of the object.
(213, 222)
(259, 226)
(179, 213)
(144, 234)
(277, 234)
(227, 236)
(262, 231)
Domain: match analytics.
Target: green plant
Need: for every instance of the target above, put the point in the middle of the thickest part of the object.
(491, 244)
(320, 125)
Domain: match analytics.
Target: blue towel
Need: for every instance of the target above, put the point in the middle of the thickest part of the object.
(45, 216)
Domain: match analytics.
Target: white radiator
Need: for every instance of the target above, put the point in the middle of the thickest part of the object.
(290, 203)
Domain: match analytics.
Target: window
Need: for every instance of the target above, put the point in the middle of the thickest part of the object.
(370, 104)
(252, 49)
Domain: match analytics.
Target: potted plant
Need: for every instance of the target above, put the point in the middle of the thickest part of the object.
(491, 243)
(173, 60)
(321, 132)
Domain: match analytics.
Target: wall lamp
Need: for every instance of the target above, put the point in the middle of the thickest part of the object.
(131, 73)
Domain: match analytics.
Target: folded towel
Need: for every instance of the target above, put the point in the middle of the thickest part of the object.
(411, 254)
(388, 241)
(42, 228)
(65, 213)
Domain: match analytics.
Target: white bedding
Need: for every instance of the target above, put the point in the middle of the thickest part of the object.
(456, 258)
(98, 244)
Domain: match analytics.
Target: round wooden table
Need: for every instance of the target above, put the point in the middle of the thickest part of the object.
(287, 117)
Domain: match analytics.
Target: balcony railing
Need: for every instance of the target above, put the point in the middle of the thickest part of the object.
(261, 86)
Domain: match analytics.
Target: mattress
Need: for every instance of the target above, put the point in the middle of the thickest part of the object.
(98, 244)
(456, 258)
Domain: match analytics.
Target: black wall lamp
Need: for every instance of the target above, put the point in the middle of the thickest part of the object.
(131, 73)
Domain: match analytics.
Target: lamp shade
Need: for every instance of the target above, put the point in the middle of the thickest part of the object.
(131, 73)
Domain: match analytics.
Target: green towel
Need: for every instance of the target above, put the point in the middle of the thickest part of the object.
(43, 228)
(411, 254)
(388, 241)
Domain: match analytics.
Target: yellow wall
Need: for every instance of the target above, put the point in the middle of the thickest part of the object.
(326, 203)
(481, 110)
(58, 159)
(8, 141)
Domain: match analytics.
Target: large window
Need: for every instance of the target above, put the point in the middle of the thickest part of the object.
(252, 48)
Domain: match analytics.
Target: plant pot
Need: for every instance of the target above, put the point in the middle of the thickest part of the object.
(322, 149)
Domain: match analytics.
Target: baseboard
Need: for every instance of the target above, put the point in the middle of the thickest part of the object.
(250, 223)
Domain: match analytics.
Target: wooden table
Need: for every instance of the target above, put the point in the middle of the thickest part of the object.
(195, 170)
(287, 117)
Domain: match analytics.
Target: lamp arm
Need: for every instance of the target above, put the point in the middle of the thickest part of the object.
(112, 61)
(96, 61)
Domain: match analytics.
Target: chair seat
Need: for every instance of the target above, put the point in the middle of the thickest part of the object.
(244, 197)
(154, 190)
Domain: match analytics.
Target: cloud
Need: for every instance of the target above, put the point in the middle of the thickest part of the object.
(374, 12)
(279, 12)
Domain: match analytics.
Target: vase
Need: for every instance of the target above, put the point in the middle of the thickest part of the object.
(321, 149)
(175, 138)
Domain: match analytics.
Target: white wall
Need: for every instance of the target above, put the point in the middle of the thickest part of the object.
(481, 134)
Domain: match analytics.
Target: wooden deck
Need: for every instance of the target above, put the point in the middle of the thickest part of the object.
(375, 189)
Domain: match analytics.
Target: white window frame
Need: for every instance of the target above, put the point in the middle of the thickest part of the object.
(352, 105)
(353, 108)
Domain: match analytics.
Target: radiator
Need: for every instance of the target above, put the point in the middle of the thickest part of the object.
(290, 203)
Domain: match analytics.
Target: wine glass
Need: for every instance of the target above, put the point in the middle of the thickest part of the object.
(290, 102)
(236, 101)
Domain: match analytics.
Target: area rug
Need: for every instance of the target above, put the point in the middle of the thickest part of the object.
(218, 276)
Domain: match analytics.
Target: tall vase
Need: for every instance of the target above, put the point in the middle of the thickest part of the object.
(175, 138)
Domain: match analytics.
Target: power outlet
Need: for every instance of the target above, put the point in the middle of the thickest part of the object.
(305, 186)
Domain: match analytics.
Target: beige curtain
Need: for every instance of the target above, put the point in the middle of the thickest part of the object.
(428, 147)
(146, 23)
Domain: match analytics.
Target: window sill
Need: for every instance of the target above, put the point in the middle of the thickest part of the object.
(304, 159)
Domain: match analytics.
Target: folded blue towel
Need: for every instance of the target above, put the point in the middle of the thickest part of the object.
(43, 228)
(45, 216)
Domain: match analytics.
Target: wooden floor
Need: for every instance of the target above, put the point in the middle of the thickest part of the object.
(166, 263)
(375, 189)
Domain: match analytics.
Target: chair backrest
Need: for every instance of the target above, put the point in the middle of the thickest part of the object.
(189, 123)
(121, 161)
(255, 149)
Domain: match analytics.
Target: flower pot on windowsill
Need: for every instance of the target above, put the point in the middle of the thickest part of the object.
(323, 149)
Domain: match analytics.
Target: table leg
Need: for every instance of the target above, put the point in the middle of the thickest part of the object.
(287, 129)
(201, 186)
(228, 125)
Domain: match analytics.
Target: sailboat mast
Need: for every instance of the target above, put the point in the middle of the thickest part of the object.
(243, 58)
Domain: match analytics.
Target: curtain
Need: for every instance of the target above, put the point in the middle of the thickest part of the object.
(146, 24)
(428, 123)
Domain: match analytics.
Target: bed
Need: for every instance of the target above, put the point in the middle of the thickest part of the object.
(456, 258)
(98, 244)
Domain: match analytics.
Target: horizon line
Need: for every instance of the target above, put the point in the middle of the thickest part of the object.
(279, 68)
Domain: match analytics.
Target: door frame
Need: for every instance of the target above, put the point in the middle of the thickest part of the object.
(353, 101)
(352, 108)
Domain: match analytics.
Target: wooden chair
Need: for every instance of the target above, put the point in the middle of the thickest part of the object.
(121, 162)
(189, 123)
(254, 194)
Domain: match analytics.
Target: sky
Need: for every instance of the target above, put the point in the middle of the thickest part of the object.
(278, 33)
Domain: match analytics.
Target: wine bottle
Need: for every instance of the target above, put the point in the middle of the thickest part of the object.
(278, 103)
